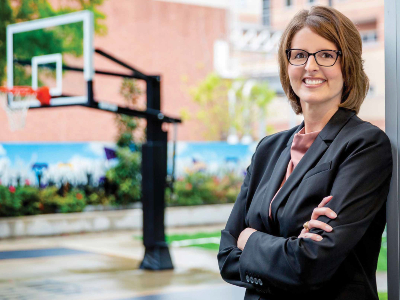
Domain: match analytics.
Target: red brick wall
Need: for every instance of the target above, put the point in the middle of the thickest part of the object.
(172, 40)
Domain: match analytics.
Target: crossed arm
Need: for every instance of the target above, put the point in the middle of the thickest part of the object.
(359, 191)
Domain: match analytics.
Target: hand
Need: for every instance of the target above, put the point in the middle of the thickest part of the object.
(243, 237)
(313, 223)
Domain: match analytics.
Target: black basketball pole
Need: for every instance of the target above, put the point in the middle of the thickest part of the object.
(154, 172)
(154, 158)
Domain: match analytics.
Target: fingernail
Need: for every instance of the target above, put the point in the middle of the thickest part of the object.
(319, 238)
(328, 228)
(333, 215)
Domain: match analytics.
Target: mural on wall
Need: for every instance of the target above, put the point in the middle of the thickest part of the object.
(61, 162)
(212, 157)
(73, 162)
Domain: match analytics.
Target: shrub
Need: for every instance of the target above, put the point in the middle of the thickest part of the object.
(127, 176)
(10, 205)
(30, 200)
(47, 197)
(198, 188)
(75, 201)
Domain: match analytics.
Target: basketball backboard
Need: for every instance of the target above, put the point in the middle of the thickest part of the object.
(33, 60)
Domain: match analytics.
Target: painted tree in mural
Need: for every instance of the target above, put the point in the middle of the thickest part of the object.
(59, 39)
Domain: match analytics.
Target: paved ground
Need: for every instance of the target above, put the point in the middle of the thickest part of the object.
(105, 266)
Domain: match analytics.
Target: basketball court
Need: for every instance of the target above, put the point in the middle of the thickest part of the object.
(105, 266)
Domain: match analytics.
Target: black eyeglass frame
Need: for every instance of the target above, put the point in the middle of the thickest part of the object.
(338, 52)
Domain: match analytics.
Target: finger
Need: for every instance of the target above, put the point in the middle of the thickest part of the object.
(303, 231)
(320, 211)
(313, 236)
(325, 201)
(320, 225)
(302, 234)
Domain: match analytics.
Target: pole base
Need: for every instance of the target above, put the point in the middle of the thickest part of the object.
(156, 258)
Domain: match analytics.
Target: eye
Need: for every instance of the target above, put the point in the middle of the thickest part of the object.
(300, 55)
(326, 55)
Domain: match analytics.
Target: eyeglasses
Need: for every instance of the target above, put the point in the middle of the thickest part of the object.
(324, 58)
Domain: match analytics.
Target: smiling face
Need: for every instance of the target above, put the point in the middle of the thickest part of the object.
(316, 86)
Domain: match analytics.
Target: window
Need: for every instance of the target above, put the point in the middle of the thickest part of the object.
(369, 37)
(371, 90)
(288, 2)
(266, 13)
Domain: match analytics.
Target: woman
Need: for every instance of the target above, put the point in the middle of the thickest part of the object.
(309, 217)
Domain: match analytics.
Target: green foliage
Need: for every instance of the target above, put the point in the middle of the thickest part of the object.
(199, 188)
(74, 201)
(212, 96)
(67, 38)
(126, 175)
(10, 205)
(52, 202)
(6, 18)
(27, 200)
(30, 200)
(100, 198)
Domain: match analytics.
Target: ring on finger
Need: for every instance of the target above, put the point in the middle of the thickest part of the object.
(305, 225)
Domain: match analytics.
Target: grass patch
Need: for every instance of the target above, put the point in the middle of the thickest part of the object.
(181, 237)
(382, 260)
(199, 235)
(383, 296)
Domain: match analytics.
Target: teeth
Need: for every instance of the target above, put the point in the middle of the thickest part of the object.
(310, 81)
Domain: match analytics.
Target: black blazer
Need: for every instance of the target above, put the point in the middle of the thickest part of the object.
(351, 160)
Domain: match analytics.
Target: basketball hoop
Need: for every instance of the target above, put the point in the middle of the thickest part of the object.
(21, 97)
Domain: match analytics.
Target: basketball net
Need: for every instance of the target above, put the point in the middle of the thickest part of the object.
(21, 97)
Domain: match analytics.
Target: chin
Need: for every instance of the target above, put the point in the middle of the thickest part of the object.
(312, 100)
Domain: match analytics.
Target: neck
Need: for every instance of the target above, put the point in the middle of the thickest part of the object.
(316, 119)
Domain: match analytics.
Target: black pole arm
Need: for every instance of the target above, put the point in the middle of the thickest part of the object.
(76, 69)
(111, 107)
(137, 73)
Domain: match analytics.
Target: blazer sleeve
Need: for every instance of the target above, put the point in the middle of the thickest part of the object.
(229, 254)
(359, 191)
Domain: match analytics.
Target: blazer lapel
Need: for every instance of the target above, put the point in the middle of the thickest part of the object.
(276, 179)
(310, 158)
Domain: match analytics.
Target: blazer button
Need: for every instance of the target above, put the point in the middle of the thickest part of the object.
(247, 278)
(260, 282)
(251, 279)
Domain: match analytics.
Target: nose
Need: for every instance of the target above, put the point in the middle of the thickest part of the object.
(311, 64)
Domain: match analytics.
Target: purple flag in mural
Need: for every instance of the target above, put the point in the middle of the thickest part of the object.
(110, 153)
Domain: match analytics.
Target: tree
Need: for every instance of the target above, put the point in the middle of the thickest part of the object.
(126, 175)
(212, 96)
(55, 40)
(218, 116)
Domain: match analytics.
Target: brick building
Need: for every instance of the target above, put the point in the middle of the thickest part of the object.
(174, 40)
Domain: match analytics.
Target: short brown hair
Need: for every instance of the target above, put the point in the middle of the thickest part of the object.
(340, 30)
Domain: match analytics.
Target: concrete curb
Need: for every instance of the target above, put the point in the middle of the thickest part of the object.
(56, 224)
